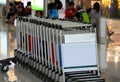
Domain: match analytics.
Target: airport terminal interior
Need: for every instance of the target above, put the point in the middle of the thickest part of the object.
(108, 42)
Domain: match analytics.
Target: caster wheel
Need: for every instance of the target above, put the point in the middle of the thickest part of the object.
(4, 68)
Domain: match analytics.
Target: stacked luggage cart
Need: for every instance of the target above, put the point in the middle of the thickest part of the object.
(57, 50)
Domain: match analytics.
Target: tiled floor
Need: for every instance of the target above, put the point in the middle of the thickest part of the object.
(16, 74)
(113, 52)
(7, 46)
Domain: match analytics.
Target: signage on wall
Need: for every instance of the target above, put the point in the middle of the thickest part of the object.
(37, 4)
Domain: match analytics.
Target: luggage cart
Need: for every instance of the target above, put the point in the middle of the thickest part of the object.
(58, 49)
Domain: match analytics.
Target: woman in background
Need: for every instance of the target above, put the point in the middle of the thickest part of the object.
(95, 13)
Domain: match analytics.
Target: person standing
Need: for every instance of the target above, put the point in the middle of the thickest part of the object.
(94, 16)
(95, 13)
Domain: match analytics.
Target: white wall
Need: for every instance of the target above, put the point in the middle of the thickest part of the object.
(3, 2)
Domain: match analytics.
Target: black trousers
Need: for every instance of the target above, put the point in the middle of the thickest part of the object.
(9, 15)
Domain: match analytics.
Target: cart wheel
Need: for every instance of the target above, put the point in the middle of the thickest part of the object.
(5, 68)
(0, 66)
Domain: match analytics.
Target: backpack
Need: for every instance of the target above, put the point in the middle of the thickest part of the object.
(53, 13)
(83, 16)
(53, 10)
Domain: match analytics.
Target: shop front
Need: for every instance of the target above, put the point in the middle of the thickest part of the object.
(111, 15)
(111, 12)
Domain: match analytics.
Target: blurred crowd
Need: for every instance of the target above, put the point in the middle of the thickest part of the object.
(81, 14)
(17, 9)
(78, 13)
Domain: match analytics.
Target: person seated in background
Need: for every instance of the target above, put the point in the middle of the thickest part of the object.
(70, 11)
(81, 15)
(20, 11)
(10, 13)
(53, 9)
(16, 9)
(28, 8)
(21, 4)
(38, 14)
